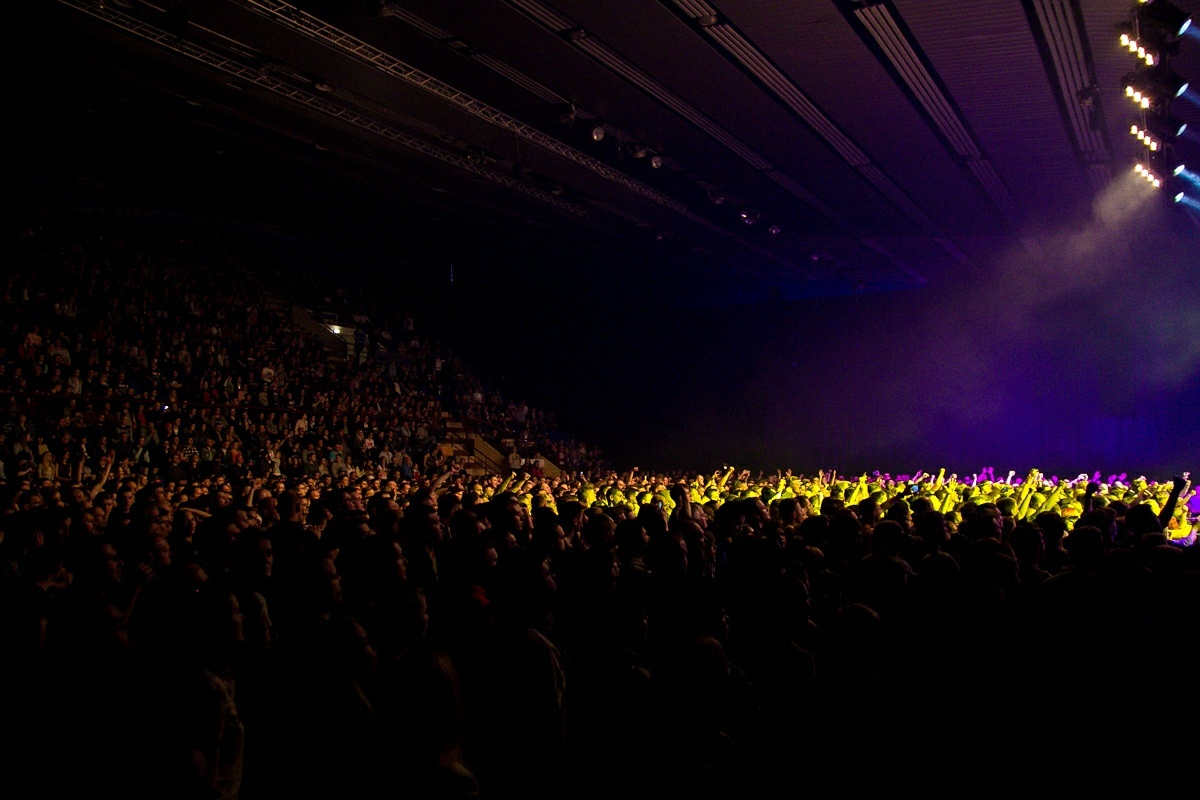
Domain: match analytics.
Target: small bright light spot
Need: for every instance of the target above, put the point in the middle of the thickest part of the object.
(336, 329)
(1124, 39)
(1187, 23)
(1182, 89)
(1182, 128)
(1178, 197)
(1129, 91)
(1132, 46)
(1145, 102)
(1134, 130)
(1154, 146)
(1141, 51)
(1149, 60)
(1179, 169)
(1141, 134)
(1157, 183)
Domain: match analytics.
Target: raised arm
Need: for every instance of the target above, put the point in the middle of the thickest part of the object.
(98, 487)
(724, 479)
(1178, 487)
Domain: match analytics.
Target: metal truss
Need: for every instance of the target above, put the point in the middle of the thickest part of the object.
(256, 77)
(318, 30)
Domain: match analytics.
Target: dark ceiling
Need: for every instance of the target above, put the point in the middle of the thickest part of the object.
(873, 145)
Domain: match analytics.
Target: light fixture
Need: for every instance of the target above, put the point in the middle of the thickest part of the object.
(1185, 174)
(1146, 138)
(1179, 197)
(1172, 19)
(598, 133)
(1147, 43)
(1145, 172)
(774, 230)
(1134, 91)
(656, 161)
(1166, 126)
(750, 216)
(1157, 131)
(1154, 87)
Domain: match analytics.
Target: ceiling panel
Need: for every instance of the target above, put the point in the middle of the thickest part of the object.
(825, 57)
(918, 204)
(986, 54)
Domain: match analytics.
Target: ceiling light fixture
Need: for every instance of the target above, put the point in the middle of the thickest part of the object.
(1154, 88)
(1150, 177)
(1174, 20)
(656, 161)
(598, 133)
(1148, 43)
(1145, 137)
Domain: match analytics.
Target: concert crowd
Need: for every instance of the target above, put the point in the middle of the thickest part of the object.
(238, 561)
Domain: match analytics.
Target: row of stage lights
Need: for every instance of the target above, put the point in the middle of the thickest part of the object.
(1153, 36)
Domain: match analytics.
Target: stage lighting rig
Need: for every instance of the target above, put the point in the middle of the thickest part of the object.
(1164, 16)
(1157, 132)
(1149, 175)
(1149, 44)
(1148, 139)
(1154, 88)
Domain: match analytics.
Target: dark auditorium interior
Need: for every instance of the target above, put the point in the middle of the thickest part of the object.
(575, 399)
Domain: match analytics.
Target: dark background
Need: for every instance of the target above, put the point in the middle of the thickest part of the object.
(1084, 358)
